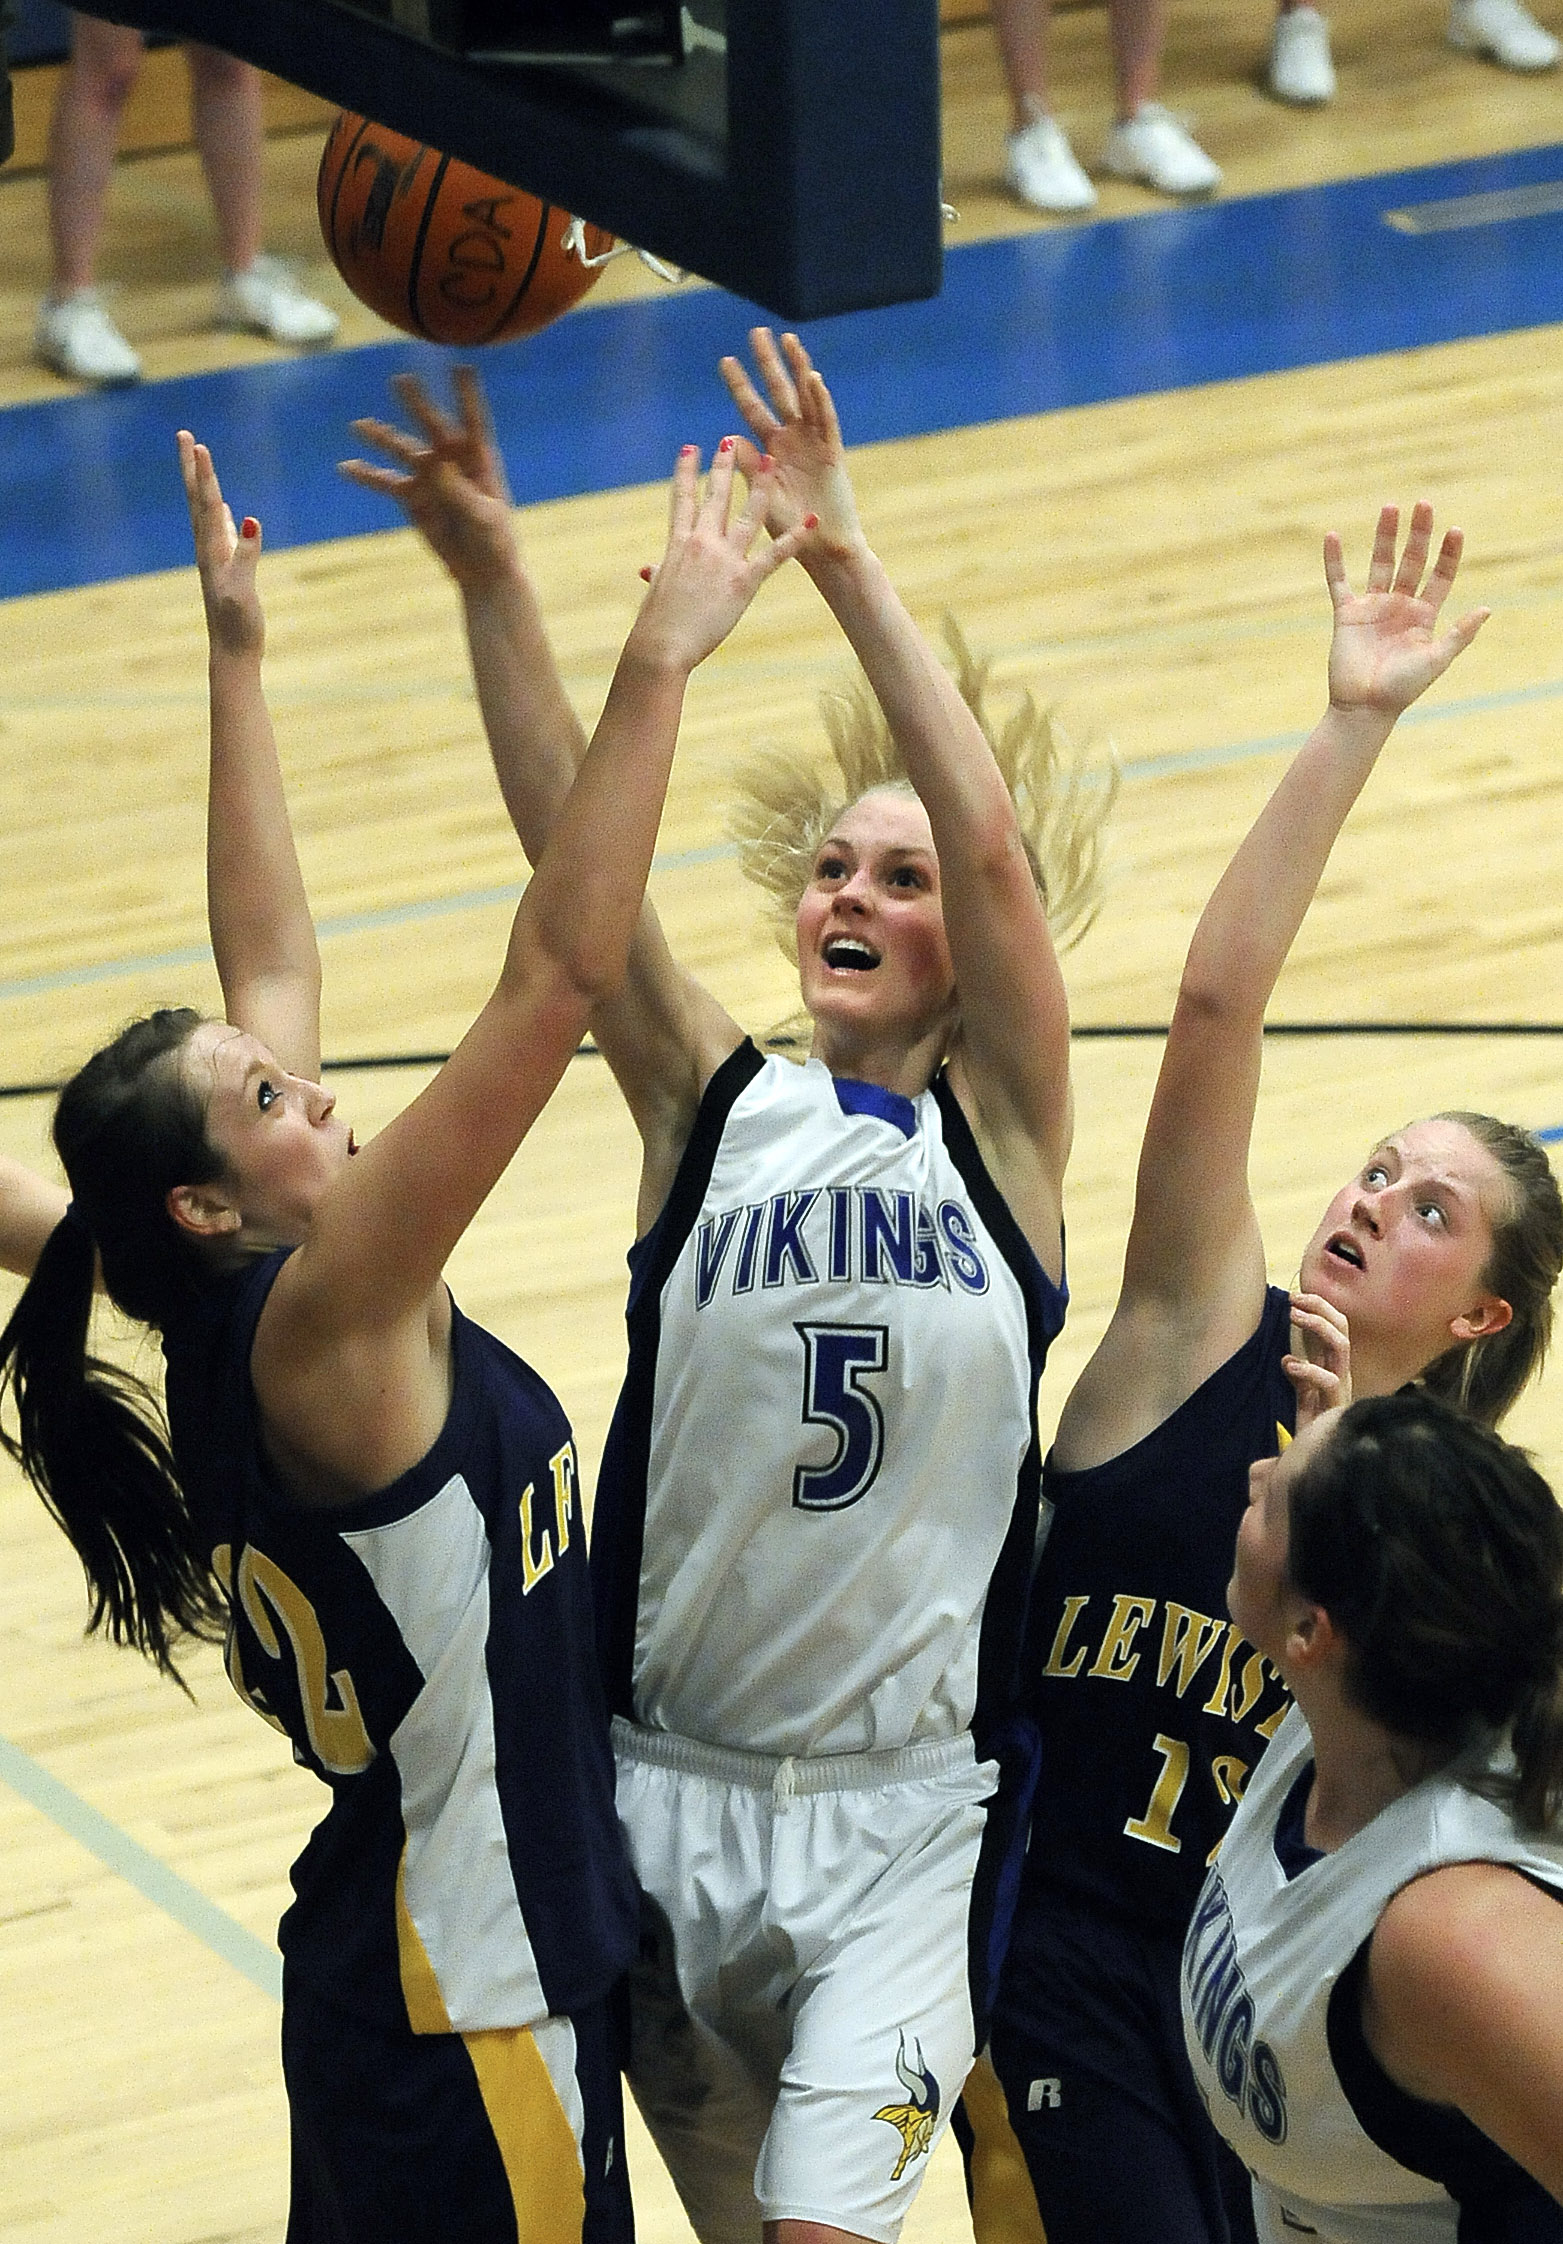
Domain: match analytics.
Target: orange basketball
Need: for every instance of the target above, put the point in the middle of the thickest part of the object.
(440, 249)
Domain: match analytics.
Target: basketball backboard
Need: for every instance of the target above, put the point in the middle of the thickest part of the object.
(787, 149)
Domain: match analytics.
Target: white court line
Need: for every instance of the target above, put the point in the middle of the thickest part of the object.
(153, 1879)
(1497, 208)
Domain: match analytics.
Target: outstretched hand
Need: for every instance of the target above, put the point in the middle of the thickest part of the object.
(708, 574)
(1321, 1373)
(799, 432)
(1387, 649)
(448, 479)
(225, 557)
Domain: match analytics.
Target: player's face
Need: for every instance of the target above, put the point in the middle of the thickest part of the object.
(278, 1134)
(872, 952)
(1403, 1248)
(1260, 1597)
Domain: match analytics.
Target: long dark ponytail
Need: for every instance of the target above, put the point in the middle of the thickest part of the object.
(91, 1437)
(1437, 1549)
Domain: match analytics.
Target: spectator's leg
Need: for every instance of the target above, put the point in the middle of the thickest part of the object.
(83, 138)
(229, 132)
(1139, 32)
(74, 334)
(1039, 163)
(1022, 28)
(258, 293)
(1148, 143)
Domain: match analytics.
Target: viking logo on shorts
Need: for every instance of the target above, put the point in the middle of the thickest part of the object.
(913, 2120)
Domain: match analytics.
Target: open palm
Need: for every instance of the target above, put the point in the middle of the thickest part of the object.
(225, 559)
(1387, 647)
(448, 479)
(798, 429)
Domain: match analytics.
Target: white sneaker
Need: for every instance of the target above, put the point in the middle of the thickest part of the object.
(1154, 147)
(76, 337)
(1040, 166)
(268, 300)
(1504, 29)
(1300, 65)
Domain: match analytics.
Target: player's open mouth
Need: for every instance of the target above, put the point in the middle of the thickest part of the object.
(1345, 1250)
(851, 956)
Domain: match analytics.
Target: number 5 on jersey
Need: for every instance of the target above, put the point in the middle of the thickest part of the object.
(837, 1360)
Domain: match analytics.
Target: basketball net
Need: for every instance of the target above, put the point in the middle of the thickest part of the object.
(574, 245)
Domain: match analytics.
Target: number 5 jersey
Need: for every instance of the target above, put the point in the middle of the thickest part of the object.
(816, 1520)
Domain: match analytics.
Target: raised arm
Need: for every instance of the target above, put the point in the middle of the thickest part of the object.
(350, 1360)
(1011, 1062)
(1194, 1267)
(263, 938)
(662, 1033)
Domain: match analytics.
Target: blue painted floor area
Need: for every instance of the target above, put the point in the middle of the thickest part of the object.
(1024, 325)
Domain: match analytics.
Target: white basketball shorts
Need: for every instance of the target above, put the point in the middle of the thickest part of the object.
(802, 2018)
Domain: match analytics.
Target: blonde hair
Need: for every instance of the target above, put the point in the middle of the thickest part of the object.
(1486, 1376)
(785, 806)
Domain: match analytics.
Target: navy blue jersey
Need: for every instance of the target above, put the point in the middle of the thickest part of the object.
(428, 1652)
(1152, 1708)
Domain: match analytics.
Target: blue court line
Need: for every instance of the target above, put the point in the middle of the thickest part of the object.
(115, 1848)
(677, 860)
(602, 399)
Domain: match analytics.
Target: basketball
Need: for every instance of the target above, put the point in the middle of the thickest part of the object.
(439, 248)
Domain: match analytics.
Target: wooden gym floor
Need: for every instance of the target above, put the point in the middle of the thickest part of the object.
(1151, 565)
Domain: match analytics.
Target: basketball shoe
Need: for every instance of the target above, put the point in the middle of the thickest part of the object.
(269, 300)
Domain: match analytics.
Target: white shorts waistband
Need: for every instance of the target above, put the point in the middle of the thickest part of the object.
(793, 1773)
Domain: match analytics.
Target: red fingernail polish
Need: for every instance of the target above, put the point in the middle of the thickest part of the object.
(811, 522)
(250, 528)
(687, 452)
(645, 575)
(726, 444)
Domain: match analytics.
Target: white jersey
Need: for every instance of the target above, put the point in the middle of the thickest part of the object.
(1263, 1954)
(825, 1447)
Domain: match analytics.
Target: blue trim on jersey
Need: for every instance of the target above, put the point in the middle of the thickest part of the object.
(872, 1098)
(1029, 324)
(1001, 1727)
(1499, 2202)
(1292, 1850)
(619, 1517)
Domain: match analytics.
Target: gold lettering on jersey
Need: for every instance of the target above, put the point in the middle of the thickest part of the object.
(1073, 1608)
(1217, 1701)
(222, 1567)
(1230, 1776)
(537, 1558)
(562, 1467)
(326, 1696)
(1252, 1684)
(1115, 1663)
(1186, 1654)
(1155, 1825)
(1187, 1640)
